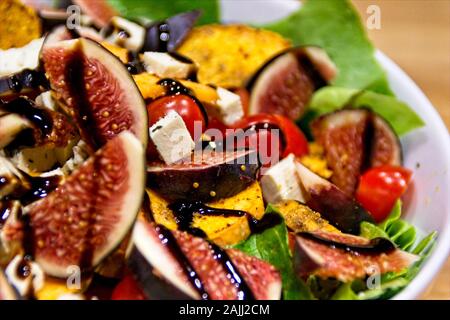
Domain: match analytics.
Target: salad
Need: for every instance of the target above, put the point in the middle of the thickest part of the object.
(148, 152)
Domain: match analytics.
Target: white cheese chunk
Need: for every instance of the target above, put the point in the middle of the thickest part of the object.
(230, 106)
(126, 34)
(281, 182)
(165, 66)
(171, 138)
(17, 59)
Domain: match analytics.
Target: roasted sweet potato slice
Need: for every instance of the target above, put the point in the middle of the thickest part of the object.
(228, 55)
(300, 218)
(221, 230)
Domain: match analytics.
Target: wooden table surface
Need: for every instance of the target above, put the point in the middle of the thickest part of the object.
(416, 35)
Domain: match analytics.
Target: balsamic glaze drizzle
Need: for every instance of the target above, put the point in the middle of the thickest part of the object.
(27, 78)
(27, 108)
(134, 66)
(170, 242)
(31, 189)
(244, 292)
(184, 213)
(173, 87)
(375, 246)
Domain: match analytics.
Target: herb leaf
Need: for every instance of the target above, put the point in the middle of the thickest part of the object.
(272, 246)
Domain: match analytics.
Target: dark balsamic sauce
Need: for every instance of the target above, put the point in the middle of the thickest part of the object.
(244, 292)
(39, 187)
(375, 246)
(170, 242)
(134, 66)
(23, 270)
(173, 87)
(31, 189)
(32, 79)
(268, 221)
(184, 213)
(27, 109)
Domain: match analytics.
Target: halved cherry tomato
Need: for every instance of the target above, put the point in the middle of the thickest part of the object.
(184, 105)
(128, 289)
(380, 187)
(292, 138)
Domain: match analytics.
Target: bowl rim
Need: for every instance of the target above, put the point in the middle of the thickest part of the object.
(441, 251)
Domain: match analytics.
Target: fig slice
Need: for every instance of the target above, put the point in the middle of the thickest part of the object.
(354, 140)
(208, 176)
(100, 11)
(341, 210)
(96, 89)
(90, 213)
(386, 148)
(285, 83)
(347, 257)
(173, 264)
(344, 135)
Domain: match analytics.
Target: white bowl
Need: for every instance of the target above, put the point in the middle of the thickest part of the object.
(426, 151)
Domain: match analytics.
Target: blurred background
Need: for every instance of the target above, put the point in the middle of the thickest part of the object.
(416, 35)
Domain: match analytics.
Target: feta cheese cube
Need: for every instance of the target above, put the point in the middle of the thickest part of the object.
(230, 106)
(126, 34)
(165, 66)
(17, 59)
(171, 138)
(281, 182)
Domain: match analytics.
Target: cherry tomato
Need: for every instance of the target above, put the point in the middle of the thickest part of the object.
(184, 105)
(292, 138)
(295, 140)
(128, 289)
(380, 187)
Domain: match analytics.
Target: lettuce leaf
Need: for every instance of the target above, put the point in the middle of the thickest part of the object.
(399, 231)
(403, 234)
(272, 246)
(158, 10)
(336, 27)
(397, 113)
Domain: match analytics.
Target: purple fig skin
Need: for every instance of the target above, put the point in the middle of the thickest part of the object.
(207, 181)
(340, 210)
(386, 148)
(153, 286)
(179, 26)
